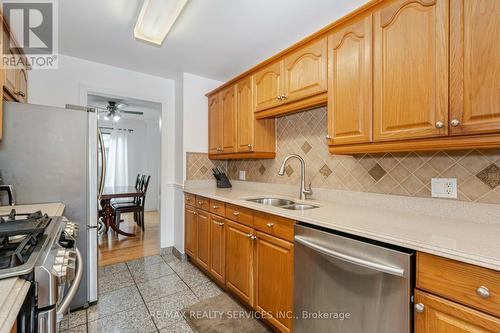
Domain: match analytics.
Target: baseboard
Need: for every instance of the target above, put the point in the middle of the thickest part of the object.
(181, 256)
(166, 250)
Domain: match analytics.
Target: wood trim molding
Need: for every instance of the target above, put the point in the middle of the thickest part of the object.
(233, 156)
(292, 107)
(321, 33)
(443, 143)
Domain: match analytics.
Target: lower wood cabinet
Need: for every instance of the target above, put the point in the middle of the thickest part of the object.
(436, 314)
(239, 261)
(190, 231)
(273, 262)
(203, 238)
(218, 248)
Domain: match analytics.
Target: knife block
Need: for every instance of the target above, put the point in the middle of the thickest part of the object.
(223, 181)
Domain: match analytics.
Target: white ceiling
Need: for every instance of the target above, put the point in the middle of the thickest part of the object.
(216, 39)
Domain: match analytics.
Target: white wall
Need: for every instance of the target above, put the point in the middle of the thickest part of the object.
(76, 78)
(195, 102)
(193, 119)
(143, 154)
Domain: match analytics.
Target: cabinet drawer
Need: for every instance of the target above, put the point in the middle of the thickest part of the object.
(217, 207)
(239, 214)
(274, 225)
(190, 199)
(464, 283)
(202, 203)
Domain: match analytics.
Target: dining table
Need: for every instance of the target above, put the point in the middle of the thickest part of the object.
(107, 211)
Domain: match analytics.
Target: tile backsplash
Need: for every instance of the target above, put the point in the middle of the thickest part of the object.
(409, 173)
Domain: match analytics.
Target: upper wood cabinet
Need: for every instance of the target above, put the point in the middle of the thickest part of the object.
(305, 71)
(246, 118)
(228, 113)
(350, 83)
(214, 125)
(475, 66)
(268, 86)
(411, 69)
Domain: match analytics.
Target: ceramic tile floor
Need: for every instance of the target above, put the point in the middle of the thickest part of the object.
(143, 295)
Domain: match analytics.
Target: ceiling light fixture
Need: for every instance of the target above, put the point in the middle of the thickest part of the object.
(156, 18)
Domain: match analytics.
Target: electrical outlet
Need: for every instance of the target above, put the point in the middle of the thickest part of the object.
(444, 188)
(243, 175)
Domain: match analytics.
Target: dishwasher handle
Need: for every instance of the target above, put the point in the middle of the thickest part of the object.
(353, 260)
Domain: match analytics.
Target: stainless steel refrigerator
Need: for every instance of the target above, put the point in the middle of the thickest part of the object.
(51, 154)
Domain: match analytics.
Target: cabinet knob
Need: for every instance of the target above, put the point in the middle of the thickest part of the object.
(215, 207)
(419, 308)
(328, 137)
(21, 93)
(194, 213)
(483, 292)
(249, 146)
(200, 202)
(439, 124)
(270, 225)
(236, 213)
(253, 237)
(188, 199)
(454, 122)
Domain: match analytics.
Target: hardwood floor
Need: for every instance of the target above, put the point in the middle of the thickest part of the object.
(115, 248)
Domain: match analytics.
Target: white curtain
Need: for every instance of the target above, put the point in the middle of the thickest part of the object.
(117, 159)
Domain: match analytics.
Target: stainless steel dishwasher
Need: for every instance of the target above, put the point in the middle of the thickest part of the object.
(348, 285)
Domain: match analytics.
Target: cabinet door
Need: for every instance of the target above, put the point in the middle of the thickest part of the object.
(191, 234)
(440, 315)
(306, 71)
(239, 260)
(274, 279)
(228, 114)
(411, 70)
(214, 125)
(22, 85)
(244, 106)
(350, 84)
(10, 74)
(268, 86)
(203, 246)
(218, 248)
(475, 66)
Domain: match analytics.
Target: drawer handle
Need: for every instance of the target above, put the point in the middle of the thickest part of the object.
(220, 224)
(419, 308)
(253, 237)
(236, 213)
(188, 199)
(270, 225)
(195, 213)
(483, 292)
(21, 93)
(249, 235)
(215, 207)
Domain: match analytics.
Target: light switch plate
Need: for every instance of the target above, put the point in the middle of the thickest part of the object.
(243, 175)
(444, 188)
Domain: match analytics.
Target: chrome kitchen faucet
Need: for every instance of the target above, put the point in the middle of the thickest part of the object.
(304, 192)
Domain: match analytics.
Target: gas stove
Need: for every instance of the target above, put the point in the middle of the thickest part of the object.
(42, 250)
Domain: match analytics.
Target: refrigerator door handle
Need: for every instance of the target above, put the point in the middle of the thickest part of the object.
(103, 162)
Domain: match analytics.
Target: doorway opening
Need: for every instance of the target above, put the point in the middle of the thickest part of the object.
(129, 215)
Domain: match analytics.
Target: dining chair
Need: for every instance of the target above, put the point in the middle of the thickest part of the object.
(136, 207)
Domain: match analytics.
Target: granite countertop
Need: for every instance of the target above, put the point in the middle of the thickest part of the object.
(51, 209)
(461, 239)
(13, 291)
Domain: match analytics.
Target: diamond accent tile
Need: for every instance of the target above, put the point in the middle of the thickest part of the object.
(377, 172)
(289, 170)
(325, 171)
(490, 175)
(203, 169)
(306, 147)
(405, 173)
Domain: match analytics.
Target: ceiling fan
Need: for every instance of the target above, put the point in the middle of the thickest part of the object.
(114, 111)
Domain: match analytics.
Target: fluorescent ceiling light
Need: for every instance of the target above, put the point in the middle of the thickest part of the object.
(156, 19)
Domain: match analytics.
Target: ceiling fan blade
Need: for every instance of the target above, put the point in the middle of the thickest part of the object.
(100, 108)
(132, 112)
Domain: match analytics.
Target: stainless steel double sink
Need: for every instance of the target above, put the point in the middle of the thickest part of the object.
(282, 203)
